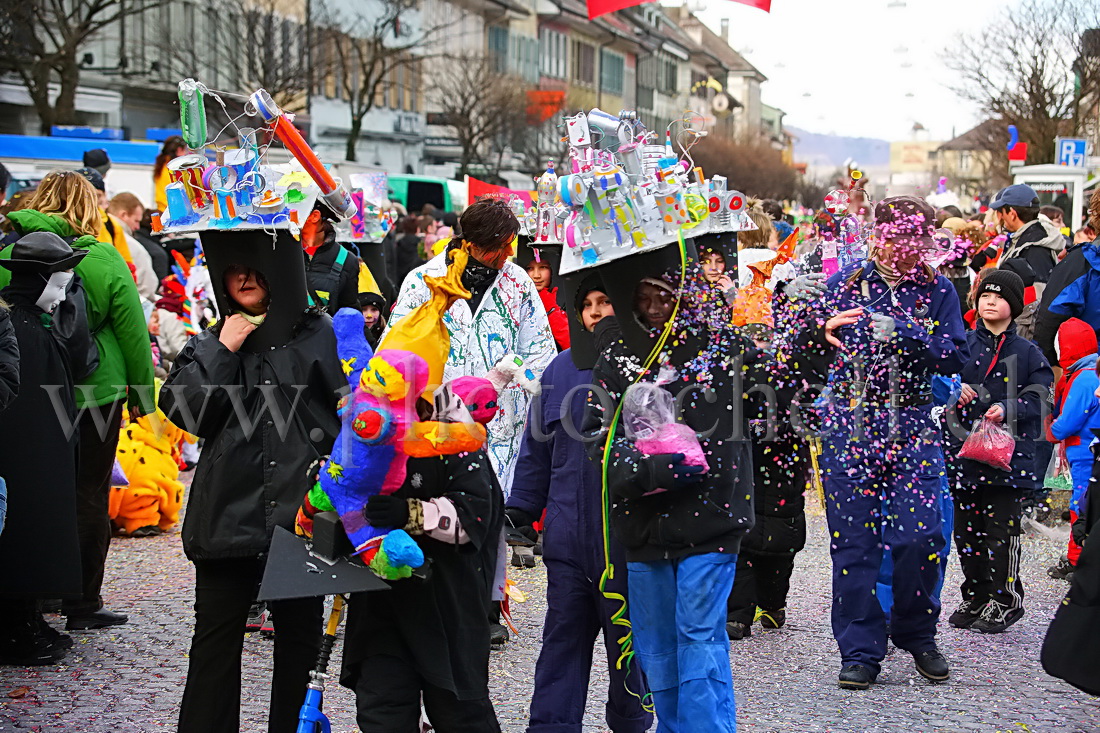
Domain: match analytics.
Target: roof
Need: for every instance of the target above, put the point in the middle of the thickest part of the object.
(978, 138)
(717, 46)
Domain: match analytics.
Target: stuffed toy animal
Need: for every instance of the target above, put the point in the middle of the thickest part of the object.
(753, 303)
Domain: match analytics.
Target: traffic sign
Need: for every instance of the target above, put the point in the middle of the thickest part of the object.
(1071, 151)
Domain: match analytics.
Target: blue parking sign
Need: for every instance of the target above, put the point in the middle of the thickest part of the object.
(1071, 151)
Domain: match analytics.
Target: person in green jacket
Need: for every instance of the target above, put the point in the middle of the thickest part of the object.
(65, 204)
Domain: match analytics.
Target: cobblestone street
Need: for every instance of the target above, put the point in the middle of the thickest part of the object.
(131, 678)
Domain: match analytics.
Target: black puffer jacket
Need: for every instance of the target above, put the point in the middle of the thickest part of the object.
(252, 475)
(710, 516)
(9, 359)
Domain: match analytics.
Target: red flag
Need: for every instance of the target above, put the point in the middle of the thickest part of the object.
(601, 7)
(476, 188)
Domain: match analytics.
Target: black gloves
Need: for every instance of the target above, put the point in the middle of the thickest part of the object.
(673, 473)
(518, 529)
(390, 511)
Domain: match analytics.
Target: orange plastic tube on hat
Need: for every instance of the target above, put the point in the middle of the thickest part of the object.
(333, 193)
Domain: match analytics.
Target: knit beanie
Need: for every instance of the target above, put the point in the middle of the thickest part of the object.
(1006, 284)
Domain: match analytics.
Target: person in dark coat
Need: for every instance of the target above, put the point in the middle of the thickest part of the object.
(1006, 380)
(429, 639)
(782, 461)
(680, 523)
(261, 388)
(38, 460)
(332, 271)
(407, 250)
(554, 475)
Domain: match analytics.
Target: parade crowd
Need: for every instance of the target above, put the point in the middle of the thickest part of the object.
(673, 413)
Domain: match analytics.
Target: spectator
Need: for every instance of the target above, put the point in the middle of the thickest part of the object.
(1057, 218)
(65, 204)
(1030, 236)
(126, 210)
(173, 148)
(1004, 382)
(1074, 287)
(143, 233)
(1076, 413)
(5, 181)
(110, 231)
(407, 249)
(98, 160)
(947, 212)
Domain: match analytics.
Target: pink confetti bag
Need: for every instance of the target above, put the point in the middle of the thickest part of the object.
(989, 443)
(649, 415)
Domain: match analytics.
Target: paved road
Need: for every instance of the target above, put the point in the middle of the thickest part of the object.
(130, 678)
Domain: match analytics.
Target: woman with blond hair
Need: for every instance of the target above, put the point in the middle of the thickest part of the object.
(65, 204)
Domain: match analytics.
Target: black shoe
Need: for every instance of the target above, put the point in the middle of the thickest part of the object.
(1063, 570)
(100, 619)
(771, 619)
(995, 618)
(966, 614)
(932, 665)
(53, 637)
(855, 677)
(498, 636)
(30, 652)
(738, 630)
(151, 530)
(538, 546)
(51, 606)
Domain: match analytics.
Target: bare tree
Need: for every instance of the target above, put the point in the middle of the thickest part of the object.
(366, 49)
(282, 51)
(484, 107)
(41, 41)
(753, 167)
(1030, 67)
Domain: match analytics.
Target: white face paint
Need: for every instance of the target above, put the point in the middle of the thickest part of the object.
(54, 292)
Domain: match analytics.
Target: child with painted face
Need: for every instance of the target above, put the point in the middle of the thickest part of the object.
(261, 387)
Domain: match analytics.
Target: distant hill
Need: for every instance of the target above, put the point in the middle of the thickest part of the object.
(830, 151)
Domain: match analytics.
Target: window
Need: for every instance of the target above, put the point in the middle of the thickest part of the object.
(667, 77)
(612, 71)
(498, 48)
(553, 54)
(964, 162)
(584, 63)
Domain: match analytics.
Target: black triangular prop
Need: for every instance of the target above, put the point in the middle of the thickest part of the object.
(294, 572)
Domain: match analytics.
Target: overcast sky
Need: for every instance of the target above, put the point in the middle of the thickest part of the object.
(867, 68)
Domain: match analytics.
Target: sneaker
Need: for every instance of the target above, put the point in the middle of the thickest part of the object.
(52, 636)
(738, 630)
(257, 614)
(771, 619)
(537, 549)
(966, 614)
(267, 628)
(995, 618)
(523, 557)
(30, 651)
(855, 677)
(932, 665)
(498, 636)
(1063, 570)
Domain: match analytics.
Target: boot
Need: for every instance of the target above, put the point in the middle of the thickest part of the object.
(498, 632)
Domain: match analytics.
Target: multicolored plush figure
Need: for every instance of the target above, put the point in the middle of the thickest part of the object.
(380, 430)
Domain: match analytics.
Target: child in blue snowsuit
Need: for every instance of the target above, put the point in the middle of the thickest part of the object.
(553, 473)
(1076, 409)
(882, 462)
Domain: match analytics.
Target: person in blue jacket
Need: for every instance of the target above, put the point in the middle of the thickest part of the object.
(554, 473)
(882, 462)
(1076, 412)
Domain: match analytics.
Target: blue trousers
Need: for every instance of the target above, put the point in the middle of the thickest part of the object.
(882, 492)
(1080, 470)
(678, 614)
(885, 584)
(576, 611)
